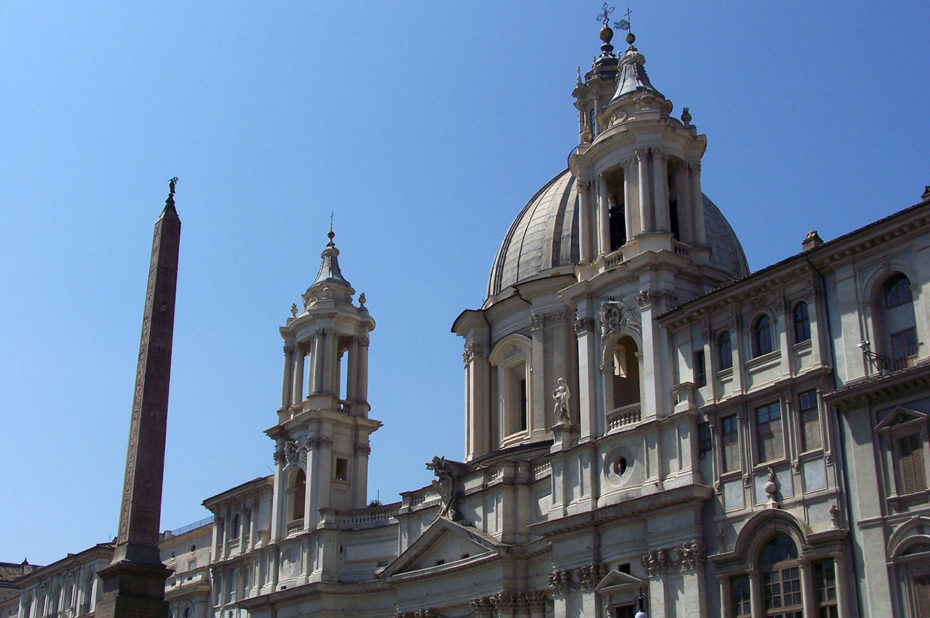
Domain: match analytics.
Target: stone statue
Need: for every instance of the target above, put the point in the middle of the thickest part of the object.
(561, 395)
(448, 475)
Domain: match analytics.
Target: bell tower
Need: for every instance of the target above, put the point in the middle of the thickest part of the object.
(322, 434)
(638, 169)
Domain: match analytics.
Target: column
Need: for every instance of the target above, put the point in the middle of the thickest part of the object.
(755, 594)
(603, 216)
(630, 210)
(807, 588)
(287, 381)
(253, 515)
(331, 363)
(584, 218)
(697, 200)
(316, 364)
(660, 191)
(362, 369)
(587, 375)
(477, 403)
(319, 365)
(538, 377)
(645, 217)
(843, 601)
(352, 368)
(297, 394)
(359, 476)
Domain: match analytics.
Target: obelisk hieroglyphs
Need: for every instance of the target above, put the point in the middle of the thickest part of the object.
(134, 583)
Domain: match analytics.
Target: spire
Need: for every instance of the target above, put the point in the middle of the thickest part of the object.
(329, 269)
(633, 76)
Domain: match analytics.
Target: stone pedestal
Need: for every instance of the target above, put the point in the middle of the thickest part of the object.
(131, 589)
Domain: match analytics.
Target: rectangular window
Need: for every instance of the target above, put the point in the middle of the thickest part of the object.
(246, 583)
(903, 348)
(705, 443)
(825, 588)
(218, 590)
(342, 469)
(729, 438)
(769, 432)
(782, 590)
(700, 375)
(809, 417)
(232, 586)
(523, 406)
(910, 464)
(740, 600)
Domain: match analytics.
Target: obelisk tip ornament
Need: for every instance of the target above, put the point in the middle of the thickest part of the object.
(134, 583)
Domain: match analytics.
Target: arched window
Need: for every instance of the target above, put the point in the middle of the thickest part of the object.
(897, 328)
(236, 525)
(802, 323)
(781, 578)
(512, 387)
(626, 373)
(300, 494)
(724, 350)
(762, 336)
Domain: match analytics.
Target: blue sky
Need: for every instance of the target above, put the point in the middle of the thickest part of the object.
(425, 126)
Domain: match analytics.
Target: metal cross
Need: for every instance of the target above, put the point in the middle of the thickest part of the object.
(604, 16)
(624, 24)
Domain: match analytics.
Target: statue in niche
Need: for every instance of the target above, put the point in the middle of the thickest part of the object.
(561, 395)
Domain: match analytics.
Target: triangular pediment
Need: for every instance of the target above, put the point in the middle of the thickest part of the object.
(901, 416)
(617, 582)
(443, 543)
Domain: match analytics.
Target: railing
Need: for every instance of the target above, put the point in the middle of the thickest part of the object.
(193, 526)
(624, 415)
(540, 469)
(360, 518)
(295, 524)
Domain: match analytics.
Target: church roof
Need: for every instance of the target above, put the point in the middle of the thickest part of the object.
(633, 77)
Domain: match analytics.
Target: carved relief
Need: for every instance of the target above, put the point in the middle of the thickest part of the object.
(291, 452)
(690, 554)
(588, 576)
(617, 316)
(537, 321)
(472, 350)
(560, 581)
(654, 562)
(583, 325)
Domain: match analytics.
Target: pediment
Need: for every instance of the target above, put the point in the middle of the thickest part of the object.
(901, 416)
(616, 582)
(443, 542)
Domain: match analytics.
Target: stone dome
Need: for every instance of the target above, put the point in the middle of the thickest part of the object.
(543, 239)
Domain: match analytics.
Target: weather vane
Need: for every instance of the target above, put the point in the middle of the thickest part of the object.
(623, 24)
(172, 182)
(604, 16)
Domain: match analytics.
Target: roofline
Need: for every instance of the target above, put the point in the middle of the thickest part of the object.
(258, 481)
(805, 256)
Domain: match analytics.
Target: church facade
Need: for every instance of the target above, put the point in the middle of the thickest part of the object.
(651, 429)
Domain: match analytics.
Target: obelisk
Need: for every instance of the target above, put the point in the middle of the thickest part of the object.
(134, 582)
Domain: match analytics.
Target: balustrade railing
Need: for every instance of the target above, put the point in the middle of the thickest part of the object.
(624, 415)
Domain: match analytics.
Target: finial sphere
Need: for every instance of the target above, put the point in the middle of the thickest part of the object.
(606, 34)
(630, 38)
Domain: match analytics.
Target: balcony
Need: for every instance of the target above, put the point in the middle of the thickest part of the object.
(624, 415)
